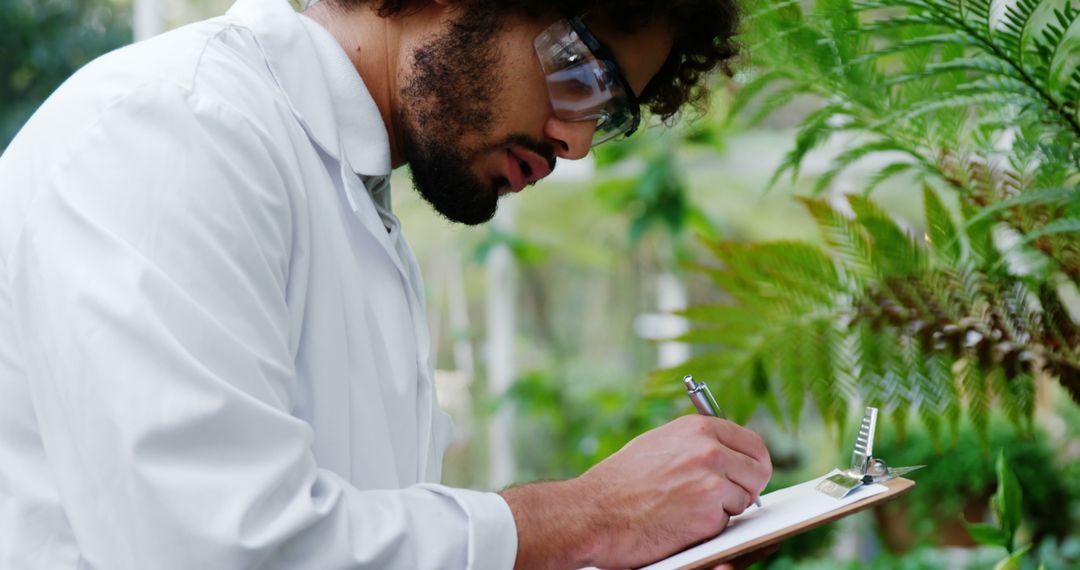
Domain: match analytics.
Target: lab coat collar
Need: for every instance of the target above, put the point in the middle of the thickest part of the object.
(323, 87)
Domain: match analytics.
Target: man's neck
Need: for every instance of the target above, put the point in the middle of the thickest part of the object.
(377, 48)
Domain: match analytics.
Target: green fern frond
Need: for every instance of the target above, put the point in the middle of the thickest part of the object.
(791, 372)
(980, 64)
(846, 238)
(773, 101)
(1067, 226)
(976, 389)
(931, 325)
(750, 90)
(958, 101)
(935, 40)
(885, 173)
(852, 155)
(1040, 197)
(942, 231)
(895, 252)
(1015, 19)
(813, 132)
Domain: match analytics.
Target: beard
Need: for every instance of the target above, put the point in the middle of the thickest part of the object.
(448, 100)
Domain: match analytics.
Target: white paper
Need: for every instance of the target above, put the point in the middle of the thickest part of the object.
(779, 510)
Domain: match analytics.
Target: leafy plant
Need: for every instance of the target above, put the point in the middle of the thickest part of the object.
(978, 108)
(960, 482)
(1006, 504)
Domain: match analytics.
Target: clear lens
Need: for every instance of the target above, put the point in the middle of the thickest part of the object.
(580, 86)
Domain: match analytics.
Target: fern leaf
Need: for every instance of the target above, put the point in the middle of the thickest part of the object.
(981, 64)
(1045, 196)
(1069, 226)
(774, 101)
(813, 132)
(770, 10)
(1016, 18)
(946, 39)
(819, 359)
(792, 373)
(889, 171)
(749, 91)
(977, 391)
(728, 338)
(960, 102)
(895, 252)
(852, 155)
(844, 237)
(943, 234)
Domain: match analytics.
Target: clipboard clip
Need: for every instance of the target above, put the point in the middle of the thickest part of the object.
(865, 468)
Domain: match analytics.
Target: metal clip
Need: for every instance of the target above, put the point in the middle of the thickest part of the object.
(865, 468)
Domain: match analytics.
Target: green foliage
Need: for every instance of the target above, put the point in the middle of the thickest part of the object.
(912, 325)
(977, 108)
(961, 479)
(44, 42)
(939, 87)
(1006, 503)
(573, 424)
(642, 180)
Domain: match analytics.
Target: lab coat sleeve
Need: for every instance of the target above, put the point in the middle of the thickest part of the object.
(149, 282)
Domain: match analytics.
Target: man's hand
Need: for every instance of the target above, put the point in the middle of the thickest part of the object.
(666, 489)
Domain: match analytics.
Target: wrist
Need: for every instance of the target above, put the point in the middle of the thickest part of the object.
(557, 523)
(580, 497)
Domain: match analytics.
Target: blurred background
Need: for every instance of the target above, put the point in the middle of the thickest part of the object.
(868, 213)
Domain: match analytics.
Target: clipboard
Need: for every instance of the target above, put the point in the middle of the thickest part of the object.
(689, 560)
(794, 510)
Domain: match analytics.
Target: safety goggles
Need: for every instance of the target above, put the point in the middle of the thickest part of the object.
(584, 82)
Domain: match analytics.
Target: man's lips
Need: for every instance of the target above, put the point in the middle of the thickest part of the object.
(525, 167)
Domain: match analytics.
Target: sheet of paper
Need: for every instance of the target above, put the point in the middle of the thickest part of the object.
(779, 510)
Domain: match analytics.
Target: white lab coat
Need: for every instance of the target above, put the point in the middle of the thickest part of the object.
(213, 350)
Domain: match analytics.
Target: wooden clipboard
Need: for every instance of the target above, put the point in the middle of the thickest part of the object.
(896, 487)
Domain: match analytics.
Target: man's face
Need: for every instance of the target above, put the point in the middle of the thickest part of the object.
(475, 115)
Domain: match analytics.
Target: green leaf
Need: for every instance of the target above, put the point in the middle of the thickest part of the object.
(813, 132)
(1063, 226)
(894, 250)
(983, 533)
(1043, 196)
(947, 39)
(1012, 561)
(844, 237)
(1008, 501)
(886, 173)
(851, 155)
(981, 64)
(943, 234)
(977, 390)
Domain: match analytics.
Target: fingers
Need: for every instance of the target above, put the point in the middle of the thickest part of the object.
(740, 454)
(745, 472)
(734, 498)
(738, 438)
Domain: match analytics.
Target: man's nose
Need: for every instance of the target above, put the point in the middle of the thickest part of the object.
(572, 139)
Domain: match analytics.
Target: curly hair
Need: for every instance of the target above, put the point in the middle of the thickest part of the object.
(703, 33)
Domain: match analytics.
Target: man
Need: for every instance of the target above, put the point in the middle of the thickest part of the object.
(213, 350)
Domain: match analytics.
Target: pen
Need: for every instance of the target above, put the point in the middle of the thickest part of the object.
(703, 400)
